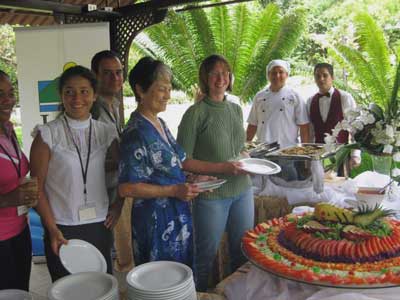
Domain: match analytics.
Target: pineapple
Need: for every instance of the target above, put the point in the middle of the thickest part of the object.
(366, 215)
(328, 212)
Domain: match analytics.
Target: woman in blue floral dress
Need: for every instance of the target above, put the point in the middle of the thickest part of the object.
(152, 172)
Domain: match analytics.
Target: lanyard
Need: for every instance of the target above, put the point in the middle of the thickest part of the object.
(16, 148)
(84, 171)
(114, 120)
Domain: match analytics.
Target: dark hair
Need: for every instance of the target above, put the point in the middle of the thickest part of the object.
(146, 72)
(327, 66)
(206, 67)
(77, 71)
(4, 74)
(99, 56)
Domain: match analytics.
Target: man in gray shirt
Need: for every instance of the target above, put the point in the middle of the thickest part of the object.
(109, 73)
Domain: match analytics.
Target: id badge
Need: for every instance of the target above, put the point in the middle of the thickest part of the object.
(22, 210)
(87, 212)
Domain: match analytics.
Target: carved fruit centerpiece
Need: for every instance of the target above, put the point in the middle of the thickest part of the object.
(332, 246)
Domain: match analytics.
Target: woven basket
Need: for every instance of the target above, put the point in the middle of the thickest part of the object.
(269, 207)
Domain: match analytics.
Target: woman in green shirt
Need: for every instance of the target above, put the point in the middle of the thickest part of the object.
(212, 130)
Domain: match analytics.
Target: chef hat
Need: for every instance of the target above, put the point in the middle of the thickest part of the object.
(278, 63)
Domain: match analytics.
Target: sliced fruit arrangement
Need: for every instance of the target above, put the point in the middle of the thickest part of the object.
(332, 246)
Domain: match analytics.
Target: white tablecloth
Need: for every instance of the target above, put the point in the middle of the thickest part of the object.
(260, 285)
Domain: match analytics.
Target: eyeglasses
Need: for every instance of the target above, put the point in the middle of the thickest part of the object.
(217, 74)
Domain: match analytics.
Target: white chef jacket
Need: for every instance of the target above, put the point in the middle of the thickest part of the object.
(277, 116)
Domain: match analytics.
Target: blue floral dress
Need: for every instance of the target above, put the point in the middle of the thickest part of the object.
(161, 227)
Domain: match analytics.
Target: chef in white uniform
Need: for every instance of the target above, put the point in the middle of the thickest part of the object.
(278, 112)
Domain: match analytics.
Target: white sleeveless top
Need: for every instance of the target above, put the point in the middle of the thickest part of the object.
(64, 182)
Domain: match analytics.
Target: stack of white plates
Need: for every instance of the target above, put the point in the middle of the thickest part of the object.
(85, 286)
(158, 280)
(15, 295)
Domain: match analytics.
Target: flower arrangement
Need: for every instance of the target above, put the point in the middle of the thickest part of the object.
(375, 129)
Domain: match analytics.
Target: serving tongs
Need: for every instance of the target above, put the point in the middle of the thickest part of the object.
(263, 148)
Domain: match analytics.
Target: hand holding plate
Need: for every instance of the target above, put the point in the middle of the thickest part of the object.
(56, 240)
(186, 191)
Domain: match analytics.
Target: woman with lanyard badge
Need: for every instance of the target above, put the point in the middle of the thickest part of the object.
(15, 239)
(69, 158)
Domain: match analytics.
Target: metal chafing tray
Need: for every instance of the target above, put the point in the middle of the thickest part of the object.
(300, 170)
(318, 152)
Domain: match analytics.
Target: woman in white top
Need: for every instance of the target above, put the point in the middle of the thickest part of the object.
(68, 156)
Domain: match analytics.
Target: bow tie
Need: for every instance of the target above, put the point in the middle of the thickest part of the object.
(324, 95)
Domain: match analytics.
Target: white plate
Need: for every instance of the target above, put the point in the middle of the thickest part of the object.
(211, 184)
(155, 296)
(15, 295)
(159, 276)
(86, 285)
(80, 256)
(260, 166)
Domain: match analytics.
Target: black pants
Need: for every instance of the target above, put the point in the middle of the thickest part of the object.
(15, 261)
(96, 234)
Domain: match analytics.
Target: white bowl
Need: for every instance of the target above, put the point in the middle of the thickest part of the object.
(371, 198)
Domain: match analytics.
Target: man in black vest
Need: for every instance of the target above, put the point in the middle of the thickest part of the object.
(327, 108)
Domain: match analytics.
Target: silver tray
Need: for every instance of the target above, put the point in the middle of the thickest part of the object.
(320, 156)
(317, 283)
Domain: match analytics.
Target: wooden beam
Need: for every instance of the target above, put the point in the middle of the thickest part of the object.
(155, 4)
(42, 5)
(190, 7)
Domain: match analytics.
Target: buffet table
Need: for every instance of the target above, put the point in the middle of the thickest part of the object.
(251, 283)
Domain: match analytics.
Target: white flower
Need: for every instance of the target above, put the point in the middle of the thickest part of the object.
(336, 130)
(397, 140)
(329, 147)
(367, 118)
(351, 114)
(387, 149)
(329, 139)
(396, 156)
(346, 125)
(357, 124)
(396, 172)
(389, 131)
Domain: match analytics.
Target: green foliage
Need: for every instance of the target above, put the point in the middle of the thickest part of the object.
(8, 61)
(369, 60)
(248, 38)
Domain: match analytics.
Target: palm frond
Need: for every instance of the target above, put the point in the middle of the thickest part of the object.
(201, 33)
(241, 21)
(365, 73)
(179, 49)
(370, 38)
(280, 44)
(220, 21)
(264, 26)
(292, 27)
(394, 99)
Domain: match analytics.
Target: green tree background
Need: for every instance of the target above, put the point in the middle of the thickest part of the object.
(249, 35)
